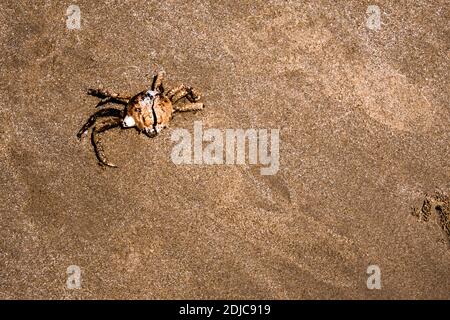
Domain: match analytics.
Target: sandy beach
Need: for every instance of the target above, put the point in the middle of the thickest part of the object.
(363, 117)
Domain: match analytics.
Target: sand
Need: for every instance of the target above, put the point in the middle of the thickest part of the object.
(364, 139)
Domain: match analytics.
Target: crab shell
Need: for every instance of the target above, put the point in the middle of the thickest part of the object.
(142, 109)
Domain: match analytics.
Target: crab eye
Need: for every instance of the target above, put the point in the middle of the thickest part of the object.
(139, 110)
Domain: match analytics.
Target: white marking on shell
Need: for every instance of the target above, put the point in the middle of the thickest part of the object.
(128, 122)
(147, 100)
(152, 93)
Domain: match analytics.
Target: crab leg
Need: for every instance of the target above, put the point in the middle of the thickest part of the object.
(188, 107)
(96, 142)
(110, 112)
(107, 96)
(182, 91)
(102, 93)
(157, 82)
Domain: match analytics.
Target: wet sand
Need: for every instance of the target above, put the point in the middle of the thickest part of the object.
(364, 137)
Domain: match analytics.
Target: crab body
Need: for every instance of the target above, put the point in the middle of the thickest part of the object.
(149, 112)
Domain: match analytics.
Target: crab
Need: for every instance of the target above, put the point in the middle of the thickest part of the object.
(149, 112)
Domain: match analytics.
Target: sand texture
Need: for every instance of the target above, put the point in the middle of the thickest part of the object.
(364, 143)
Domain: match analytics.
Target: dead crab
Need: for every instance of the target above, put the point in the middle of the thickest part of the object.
(149, 111)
